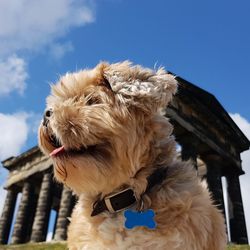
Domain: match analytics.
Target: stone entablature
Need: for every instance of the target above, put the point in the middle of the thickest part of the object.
(22, 169)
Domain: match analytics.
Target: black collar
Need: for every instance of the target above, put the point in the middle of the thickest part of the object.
(121, 200)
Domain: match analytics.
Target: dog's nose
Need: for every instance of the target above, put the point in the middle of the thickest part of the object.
(46, 117)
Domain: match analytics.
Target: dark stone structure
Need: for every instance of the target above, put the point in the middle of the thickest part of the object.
(21, 225)
(31, 175)
(7, 215)
(40, 225)
(63, 214)
(203, 129)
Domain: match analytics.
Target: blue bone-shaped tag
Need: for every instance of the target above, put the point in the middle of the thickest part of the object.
(137, 218)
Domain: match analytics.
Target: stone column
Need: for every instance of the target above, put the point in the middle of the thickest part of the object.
(63, 214)
(213, 176)
(7, 215)
(237, 221)
(32, 211)
(40, 225)
(22, 218)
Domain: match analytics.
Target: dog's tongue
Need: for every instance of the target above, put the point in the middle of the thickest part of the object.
(57, 151)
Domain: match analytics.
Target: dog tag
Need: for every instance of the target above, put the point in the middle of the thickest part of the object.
(139, 218)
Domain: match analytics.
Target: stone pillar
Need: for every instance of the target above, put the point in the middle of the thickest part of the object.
(21, 224)
(40, 225)
(7, 215)
(237, 221)
(63, 214)
(213, 176)
(32, 211)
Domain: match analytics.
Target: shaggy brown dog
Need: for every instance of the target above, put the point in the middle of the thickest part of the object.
(107, 135)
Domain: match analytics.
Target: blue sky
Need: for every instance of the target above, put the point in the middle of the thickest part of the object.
(205, 42)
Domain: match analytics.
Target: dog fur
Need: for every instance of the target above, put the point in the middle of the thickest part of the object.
(116, 113)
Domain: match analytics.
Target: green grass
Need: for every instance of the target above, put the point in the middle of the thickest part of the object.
(238, 247)
(35, 246)
(62, 246)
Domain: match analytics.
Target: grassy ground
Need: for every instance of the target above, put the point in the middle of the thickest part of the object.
(238, 247)
(36, 246)
(62, 246)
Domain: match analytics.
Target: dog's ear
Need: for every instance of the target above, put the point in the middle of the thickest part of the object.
(143, 88)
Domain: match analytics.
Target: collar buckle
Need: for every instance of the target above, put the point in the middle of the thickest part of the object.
(119, 201)
(124, 199)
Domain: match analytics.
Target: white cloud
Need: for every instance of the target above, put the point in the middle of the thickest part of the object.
(244, 125)
(58, 50)
(28, 26)
(31, 25)
(15, 129)
(13, 75)
(14, 133)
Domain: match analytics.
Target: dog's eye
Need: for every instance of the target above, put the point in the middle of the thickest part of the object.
(92, 101)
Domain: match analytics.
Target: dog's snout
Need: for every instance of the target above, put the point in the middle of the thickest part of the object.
(46, 117)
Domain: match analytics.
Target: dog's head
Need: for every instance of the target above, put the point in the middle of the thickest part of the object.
(102, 125)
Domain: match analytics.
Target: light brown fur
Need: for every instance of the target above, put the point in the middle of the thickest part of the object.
(126, 123)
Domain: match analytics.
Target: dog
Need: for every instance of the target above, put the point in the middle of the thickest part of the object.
(109, 140)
